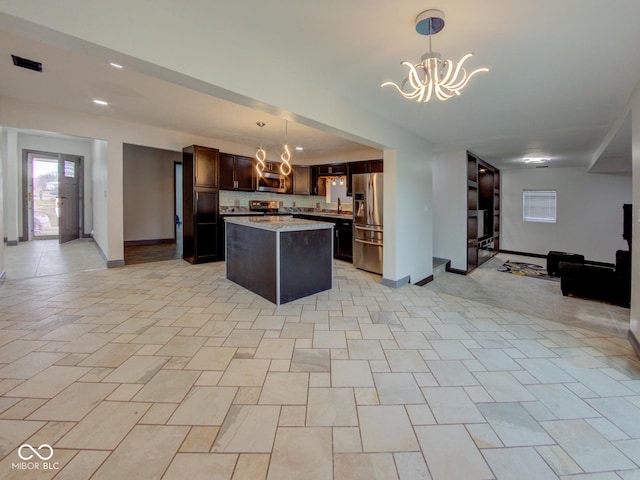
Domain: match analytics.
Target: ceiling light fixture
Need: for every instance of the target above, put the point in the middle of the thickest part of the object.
(536, 160)
(261, 154)
(433, 76)
(285, 156)
(100, 102)
(116, 65)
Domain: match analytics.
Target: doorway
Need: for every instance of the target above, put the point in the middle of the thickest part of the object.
(177, 180)
(52, 202)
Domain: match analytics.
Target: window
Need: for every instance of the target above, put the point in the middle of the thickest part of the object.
(539, 206)
(69, 169)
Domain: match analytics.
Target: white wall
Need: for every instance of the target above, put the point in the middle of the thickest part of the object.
(11, 180)
(148, 188)
(351, 156)
(589, 212)
(99, 198)
(408, 214)
(450, 207)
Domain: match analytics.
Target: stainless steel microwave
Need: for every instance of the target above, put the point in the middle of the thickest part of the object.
(271, 181)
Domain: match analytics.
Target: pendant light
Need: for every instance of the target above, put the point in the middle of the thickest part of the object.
(261, 154)
(285, 166)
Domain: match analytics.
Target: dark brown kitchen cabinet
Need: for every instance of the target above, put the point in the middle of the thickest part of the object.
(315, 176)
(205, 166)
(332, 169)
(236, 172)
(200, 198)
(343, 245)
(376, 166)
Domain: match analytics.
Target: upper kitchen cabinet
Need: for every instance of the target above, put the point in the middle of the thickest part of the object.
(301, 180)
(205, 165)
(332, 169)
(236, 173)
(376, 166)
(200, 200)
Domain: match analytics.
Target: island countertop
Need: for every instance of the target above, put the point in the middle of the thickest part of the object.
(278, 223)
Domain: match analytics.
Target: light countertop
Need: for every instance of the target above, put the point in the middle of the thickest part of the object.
(342, 216)
(240, 214)
(279, 223)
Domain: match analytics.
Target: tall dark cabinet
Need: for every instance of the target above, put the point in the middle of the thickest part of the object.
(483, 211)
(200, 197)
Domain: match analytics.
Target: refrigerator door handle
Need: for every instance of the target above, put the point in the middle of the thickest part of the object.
(368, 242)
(369, 229)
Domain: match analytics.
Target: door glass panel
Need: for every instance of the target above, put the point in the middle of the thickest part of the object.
(69, 169)
(45, 192)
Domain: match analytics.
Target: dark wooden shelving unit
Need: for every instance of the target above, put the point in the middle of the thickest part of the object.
(483, 211)
(200, 198)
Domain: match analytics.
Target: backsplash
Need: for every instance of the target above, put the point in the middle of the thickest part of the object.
(239, 201)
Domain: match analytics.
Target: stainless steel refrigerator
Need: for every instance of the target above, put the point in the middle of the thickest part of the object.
(367, 221)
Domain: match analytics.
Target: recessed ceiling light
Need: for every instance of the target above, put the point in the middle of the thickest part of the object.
(536, 160)
(299, 149)
(100, 102)
(116, 65)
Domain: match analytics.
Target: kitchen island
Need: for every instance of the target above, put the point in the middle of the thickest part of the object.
(280, 258)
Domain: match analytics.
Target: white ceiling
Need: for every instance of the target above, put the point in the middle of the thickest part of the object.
(561, 73)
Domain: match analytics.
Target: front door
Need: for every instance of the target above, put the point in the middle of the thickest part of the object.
(67, 204)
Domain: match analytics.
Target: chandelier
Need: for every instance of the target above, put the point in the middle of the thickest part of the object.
(433, 76)
(261, 154)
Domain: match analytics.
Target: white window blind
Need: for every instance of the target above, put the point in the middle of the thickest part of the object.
(539, 206)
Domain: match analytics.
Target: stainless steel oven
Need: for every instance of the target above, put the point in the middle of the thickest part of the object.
(271, 181)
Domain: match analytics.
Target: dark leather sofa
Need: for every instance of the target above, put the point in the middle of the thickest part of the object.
(611, 285)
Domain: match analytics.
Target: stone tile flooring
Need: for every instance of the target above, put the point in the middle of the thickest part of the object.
(168, 370)
(533, 296)
(47, 257)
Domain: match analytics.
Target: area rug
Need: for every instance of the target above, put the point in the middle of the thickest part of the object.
(526, 270)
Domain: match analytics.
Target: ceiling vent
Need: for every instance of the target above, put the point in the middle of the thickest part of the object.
(26, 63)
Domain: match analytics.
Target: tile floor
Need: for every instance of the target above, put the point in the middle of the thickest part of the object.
(168, 370)
(38, 258)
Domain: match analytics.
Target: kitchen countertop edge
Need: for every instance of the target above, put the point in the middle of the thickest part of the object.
(280, 224)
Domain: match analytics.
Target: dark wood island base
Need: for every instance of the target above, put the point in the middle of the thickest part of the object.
(280, 258)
